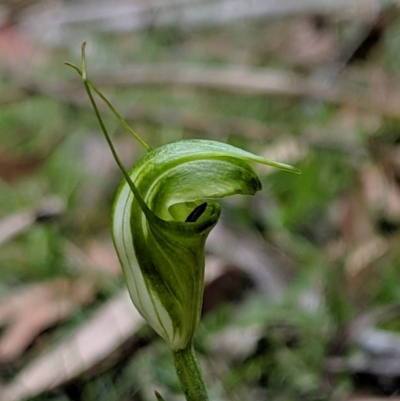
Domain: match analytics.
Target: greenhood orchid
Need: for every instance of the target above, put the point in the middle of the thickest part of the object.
(162, 214)
(162, 254)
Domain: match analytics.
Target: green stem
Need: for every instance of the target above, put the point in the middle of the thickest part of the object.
(190, 376)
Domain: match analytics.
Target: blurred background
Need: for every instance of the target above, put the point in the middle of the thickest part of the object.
(302, 300)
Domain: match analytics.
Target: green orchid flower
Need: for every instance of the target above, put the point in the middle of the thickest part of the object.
(161, 252)
(162, 214)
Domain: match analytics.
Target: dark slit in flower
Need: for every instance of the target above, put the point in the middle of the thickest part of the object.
(196, 213)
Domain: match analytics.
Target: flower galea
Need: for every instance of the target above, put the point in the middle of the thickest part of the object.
(160, 236)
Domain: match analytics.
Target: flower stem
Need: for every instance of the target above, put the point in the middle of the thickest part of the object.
(190, 376)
